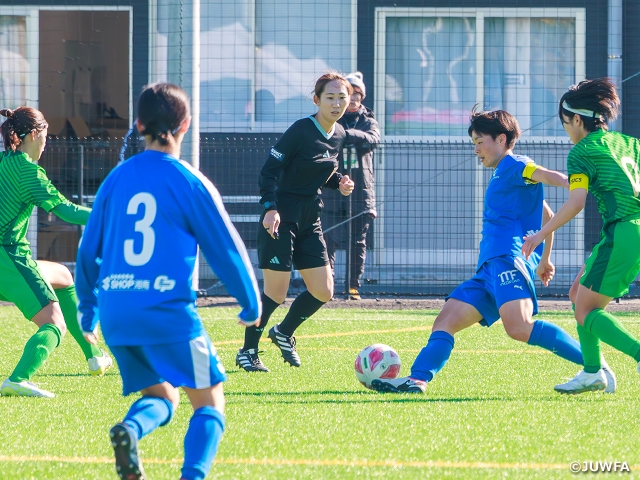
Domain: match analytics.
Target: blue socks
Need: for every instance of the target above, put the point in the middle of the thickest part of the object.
(556, 340)
(433, 357)
(148, 413)
(201, 442)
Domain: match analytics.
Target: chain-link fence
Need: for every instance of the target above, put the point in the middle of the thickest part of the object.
(423, 241)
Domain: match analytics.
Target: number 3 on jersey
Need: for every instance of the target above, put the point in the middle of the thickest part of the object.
(142, 226)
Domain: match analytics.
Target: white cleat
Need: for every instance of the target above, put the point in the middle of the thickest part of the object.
(23, 389)
(99, 365)
(612, 382)
(584, 382)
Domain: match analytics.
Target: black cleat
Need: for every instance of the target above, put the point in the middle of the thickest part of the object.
(250, 361)
(287, 346)
(399, 385)
(125, 448)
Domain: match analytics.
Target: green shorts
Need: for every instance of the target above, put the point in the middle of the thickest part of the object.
(614, 262)
(21, 281)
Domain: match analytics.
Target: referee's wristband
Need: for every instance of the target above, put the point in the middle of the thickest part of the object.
(270, 206)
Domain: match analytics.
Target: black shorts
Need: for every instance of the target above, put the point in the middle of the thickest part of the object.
(300, 242)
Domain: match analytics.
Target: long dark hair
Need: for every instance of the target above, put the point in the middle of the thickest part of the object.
(162, 108)
(597, 99)
(19, 123)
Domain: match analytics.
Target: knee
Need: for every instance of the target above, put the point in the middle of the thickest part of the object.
(520, 333)
(324, 294)
(62, 277)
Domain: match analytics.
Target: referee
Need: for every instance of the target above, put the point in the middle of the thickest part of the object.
(302, 162)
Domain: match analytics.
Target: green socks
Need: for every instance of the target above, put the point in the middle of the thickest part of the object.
(69, 306)
(590, 346)
(36, 352)
(609, 329)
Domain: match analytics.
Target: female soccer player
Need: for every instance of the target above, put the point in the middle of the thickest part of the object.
(503, 284)
(139, 250)
(302, 162)
(607, 164)
(43, 291)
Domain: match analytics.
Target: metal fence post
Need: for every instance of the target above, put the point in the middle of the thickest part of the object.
(80, 184)
(347, 276)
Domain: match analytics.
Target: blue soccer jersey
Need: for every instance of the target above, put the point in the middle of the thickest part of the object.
(512, 210)
(136, 260)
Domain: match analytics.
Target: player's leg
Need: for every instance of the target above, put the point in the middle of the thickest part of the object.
(154, 409)
(310, 259)
(61, 280)
(22, 283)
(608, 272)
(205, 431)
(456, 315)
(275, 260)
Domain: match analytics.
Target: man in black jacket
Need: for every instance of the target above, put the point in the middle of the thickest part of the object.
(363, 136)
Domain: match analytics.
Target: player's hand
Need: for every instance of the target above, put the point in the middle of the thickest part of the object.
(545, 271)
(91, 337)
(530, 244)
(271, 222)
(346, 185)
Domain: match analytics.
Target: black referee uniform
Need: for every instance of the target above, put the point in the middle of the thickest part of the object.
(300, 164)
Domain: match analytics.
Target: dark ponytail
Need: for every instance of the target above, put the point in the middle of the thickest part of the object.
(597, 101)
(162, 108)
(19, 123)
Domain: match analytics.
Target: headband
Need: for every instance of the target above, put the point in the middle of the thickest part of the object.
(580, 111)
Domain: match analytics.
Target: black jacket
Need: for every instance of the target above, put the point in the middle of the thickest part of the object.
(363, 136)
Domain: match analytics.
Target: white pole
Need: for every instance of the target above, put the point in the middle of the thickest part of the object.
(614, 62)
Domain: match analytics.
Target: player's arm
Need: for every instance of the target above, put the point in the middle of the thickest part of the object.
(88, 267)
(224, 250)
(279, 156)
(72, 213)
(537, 174)
(546, 269)
(572, 207)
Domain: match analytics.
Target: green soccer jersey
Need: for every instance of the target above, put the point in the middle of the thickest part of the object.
(23, 185)
(610, 161)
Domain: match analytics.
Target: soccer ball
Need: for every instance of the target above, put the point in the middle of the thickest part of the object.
(377, 361)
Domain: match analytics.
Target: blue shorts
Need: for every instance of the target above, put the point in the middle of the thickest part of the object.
(192, 364)
(498, 281)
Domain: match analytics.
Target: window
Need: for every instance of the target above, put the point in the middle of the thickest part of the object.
(259, 58)
(433, 65)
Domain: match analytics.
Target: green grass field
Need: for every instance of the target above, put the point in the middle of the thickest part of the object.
(491, 413)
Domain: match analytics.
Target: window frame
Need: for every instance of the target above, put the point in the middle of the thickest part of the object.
(479, 14)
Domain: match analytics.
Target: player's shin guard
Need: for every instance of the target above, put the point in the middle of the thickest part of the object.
(302, 308)
(252, 334)
(556, 340)
(69, 306)
(148, 413)
(36, 351)
(433, 357)
(201, 442)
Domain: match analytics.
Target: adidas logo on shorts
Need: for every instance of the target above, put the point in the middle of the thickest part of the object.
(275, 261)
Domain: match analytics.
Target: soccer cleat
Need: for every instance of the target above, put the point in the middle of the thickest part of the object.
(287, 346)
(399, 385)
(125, 448)
(612, 383)
(250, 361)
(354, 294)
(23, 389)
(99, 365)
(584, 382)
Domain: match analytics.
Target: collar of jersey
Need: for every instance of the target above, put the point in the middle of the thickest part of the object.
(325, 134)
